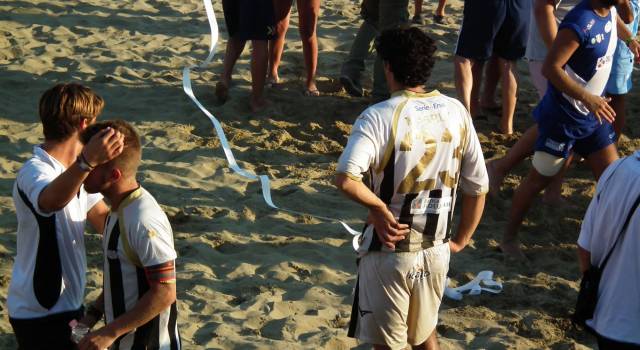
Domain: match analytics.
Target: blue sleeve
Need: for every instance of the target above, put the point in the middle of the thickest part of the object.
(582, 36)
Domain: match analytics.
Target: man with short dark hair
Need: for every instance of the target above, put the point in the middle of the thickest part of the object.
(49, 270)
(139, 292)
(417, 148)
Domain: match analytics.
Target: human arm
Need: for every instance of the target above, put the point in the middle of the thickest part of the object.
(544, 13)
(629, 38)
(103, 147)
(159, 297)
(472, 208)
(565, 45)
(386, 226)
(584, 258)
(97, 216)
(625, 12)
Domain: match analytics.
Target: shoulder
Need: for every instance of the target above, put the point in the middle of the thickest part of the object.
(144, 215)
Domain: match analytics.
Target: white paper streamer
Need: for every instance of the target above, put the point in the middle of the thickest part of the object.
(233, 164)
(482, 282)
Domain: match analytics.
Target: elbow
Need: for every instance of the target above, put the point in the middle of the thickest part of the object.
(627, 18)
(546, 70)
(341, 182)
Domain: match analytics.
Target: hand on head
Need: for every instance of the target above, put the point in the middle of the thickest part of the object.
(103, 147)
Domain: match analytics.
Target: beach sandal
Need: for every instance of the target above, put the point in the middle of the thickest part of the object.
(351, 87)
(272, 82)
(417, 19)
(312, 92)
(222, 92)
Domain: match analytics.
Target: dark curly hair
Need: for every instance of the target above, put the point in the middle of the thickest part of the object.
(409, 53)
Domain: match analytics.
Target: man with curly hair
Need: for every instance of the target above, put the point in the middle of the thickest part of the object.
(416, 147)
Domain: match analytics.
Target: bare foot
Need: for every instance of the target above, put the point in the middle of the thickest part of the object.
(511, 250)
(495, 178)
(273, 80)
(258, 104)
(222, 92)
(311, 89)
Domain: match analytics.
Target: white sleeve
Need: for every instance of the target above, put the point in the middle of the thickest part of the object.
(152, 241)
(586, 230)
(32, 179)
(360, 153)
(474, 179)
(92, 200)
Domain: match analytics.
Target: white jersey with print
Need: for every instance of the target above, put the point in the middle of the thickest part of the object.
(617, 314)
(49, 271)
(149, 242)
(417, 149)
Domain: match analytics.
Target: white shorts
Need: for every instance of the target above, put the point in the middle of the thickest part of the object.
(399, 295)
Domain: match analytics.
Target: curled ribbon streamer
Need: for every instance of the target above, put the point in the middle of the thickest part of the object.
(233, 164)
(475, 286)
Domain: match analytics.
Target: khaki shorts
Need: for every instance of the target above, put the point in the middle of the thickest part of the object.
(399, 295)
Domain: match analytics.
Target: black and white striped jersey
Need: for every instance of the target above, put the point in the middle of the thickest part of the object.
(137, 237)
(418, 149)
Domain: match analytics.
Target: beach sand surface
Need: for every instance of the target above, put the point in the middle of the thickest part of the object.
(251, 277)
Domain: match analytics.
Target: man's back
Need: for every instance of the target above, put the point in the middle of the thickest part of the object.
(416, 148)
(617, 314)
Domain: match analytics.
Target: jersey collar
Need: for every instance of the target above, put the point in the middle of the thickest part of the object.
(132, 197)
(413, 94)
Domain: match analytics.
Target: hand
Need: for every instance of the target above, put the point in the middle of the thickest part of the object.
(600, 107)
(456, 247)
(388, 229)
(98, 340)
(103, 146)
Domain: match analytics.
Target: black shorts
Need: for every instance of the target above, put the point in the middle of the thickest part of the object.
(50, 332)
(249, 19)
(499, 27)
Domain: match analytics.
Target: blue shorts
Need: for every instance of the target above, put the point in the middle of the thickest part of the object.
(556, 142)
(499, 27)
(620, 79)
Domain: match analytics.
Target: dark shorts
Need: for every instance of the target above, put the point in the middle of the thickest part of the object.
(499, 27)
(608, 344)
(556, 142)
(51, 332)
(249, 19)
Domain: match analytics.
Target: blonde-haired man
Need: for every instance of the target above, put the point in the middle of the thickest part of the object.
(139, 292)
(48, 279)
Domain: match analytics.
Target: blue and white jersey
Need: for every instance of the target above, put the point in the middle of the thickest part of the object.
(589, 66)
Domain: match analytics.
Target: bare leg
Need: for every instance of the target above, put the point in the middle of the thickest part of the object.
(233, 51)
(492, 77)
(430, 344)
(600, 160)
(418, 4)
(499, 168)
(522, 199)
(282, 10)
(617, 103)
(440, 8)
(509, 95)
(259, 53)
(468, 75)
(308, 12)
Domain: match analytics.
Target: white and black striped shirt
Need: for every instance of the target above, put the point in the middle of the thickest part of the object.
(149, 242)
(417, 148)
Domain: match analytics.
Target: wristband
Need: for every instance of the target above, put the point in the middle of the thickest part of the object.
(83, 164)
(629, 40)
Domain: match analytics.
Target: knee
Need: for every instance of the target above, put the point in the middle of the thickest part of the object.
(547, 164)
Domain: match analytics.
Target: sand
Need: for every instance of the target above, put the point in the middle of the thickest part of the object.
(251, 277)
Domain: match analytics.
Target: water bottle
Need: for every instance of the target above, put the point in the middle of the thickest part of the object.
(78, 331)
